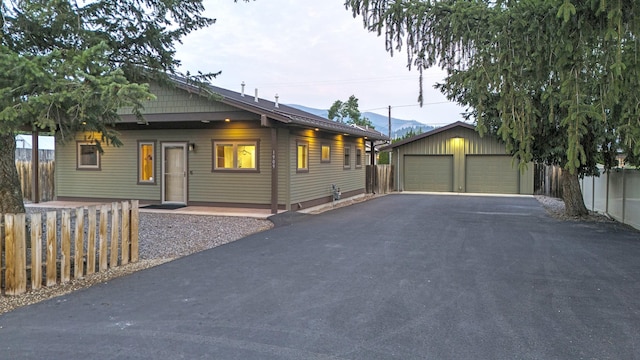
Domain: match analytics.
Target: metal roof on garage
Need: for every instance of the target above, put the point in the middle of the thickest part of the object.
(427, 134)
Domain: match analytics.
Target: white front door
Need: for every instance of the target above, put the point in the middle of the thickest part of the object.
(174, 173)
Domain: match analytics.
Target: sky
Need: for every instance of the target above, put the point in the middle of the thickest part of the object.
(310, 53)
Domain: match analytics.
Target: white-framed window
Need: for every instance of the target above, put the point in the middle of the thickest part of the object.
(325, 153)
(88, 156)
(146, 162)
(302, 156)
(235, 155)
(347, 157)
(358, 157)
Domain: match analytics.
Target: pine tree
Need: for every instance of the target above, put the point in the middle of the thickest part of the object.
(69, 66)
(556, 80)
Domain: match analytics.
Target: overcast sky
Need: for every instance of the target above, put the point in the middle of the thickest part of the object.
(311, 53)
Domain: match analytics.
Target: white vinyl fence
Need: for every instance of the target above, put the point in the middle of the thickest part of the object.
(616, 193)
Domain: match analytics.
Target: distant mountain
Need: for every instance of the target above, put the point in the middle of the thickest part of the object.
(399, 127)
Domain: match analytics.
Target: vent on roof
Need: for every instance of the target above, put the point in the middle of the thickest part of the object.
(242, 87)
(277, 97)
(256, 98)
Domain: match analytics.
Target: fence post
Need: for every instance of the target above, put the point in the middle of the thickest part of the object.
(36, 251)
(104, 215)
(78, 242)
(125, 233)
(65, 261)
(15, 254)
(113, 261)
(135, 219)
(91, 240)
(52, 248)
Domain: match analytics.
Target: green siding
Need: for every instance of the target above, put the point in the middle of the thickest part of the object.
(284, 159)
(118, 176)
(316, 183)
(173, 101)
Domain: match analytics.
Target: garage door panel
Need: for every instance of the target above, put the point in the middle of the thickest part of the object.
(428, 173)
(492, 174)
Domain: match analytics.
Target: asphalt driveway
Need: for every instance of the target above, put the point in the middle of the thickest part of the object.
(397, 277)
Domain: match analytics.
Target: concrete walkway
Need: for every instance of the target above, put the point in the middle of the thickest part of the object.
(195, 210)
(396, 277)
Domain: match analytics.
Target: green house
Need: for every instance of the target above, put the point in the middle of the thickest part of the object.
(229, 149)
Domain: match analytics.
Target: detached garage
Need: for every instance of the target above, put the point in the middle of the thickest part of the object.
(454, 158)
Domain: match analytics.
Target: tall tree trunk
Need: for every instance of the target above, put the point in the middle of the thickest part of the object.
(572, 195)
(10, 192)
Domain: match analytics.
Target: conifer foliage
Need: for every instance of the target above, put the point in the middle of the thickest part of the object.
(557, 80)
(69, 65)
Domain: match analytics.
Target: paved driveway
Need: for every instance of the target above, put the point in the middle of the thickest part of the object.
(397, 277)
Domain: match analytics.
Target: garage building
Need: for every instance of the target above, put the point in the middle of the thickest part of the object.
(454, 158)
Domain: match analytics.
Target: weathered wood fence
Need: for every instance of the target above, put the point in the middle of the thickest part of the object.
(379, 179)
(46, 182)
(547, 180)
(67, 244)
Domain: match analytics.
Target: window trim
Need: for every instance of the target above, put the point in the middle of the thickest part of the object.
(79, 165)
(346, 156)
(235, 143)
(153, 163)
(306, 145)
(358, 157)
(322, 159)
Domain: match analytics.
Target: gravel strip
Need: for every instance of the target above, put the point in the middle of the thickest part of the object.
(555, 208)
(163, 237)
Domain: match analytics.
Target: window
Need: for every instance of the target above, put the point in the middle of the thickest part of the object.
(347, 157)
(325, 154)
(302, 157)
(358, 157)
(88, 156)
(240, 155)
(146, 164)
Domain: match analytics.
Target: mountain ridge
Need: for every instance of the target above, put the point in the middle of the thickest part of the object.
(399, 127)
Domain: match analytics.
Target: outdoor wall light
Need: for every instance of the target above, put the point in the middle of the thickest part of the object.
(192, 147)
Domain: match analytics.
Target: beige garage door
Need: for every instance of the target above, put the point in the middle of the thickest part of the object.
(492, 174)
(428, 173)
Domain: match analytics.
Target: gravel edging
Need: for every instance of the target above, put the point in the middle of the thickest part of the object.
(163, 237)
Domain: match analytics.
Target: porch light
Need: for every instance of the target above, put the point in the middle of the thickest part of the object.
(192, 147)
(316, 129)
(227, 120)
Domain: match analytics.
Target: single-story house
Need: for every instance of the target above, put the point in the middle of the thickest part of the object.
(229, 149)
(454, 158)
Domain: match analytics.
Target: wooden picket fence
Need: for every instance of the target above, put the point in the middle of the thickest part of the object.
(102, 238)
